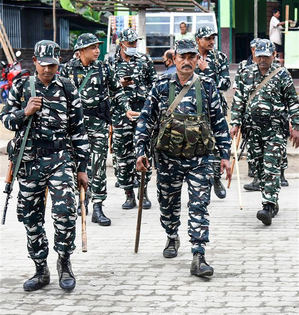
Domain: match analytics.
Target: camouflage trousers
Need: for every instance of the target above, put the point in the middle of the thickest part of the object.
(124, 150)
(198, 174)
(97, 131)
(266, 149)
(56, 172)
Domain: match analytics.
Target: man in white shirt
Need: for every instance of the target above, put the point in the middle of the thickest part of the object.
(275, 34)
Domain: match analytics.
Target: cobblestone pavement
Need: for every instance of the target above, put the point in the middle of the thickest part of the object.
(256, 267)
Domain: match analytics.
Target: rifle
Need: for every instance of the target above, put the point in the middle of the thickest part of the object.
(141, 190)
(8, 190)
(83, 220)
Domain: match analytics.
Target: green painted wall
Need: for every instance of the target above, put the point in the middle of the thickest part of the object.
(225, 13)
(292, 5)
(244, 16)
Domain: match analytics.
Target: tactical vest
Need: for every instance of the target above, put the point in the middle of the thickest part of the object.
(183, 135)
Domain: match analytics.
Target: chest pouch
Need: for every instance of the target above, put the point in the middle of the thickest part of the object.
(183, 135)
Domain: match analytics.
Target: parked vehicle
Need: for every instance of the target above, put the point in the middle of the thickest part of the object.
(10, 72)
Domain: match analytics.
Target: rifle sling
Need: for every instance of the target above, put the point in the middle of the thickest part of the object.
(262, 84)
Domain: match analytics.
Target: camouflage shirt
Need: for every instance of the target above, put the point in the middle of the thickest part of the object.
(90, 94)
(278, 97)
(57, 120)
(157, 104)
(141, 68)
(217, 69)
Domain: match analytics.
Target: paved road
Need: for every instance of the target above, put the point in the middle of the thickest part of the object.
(256, 267)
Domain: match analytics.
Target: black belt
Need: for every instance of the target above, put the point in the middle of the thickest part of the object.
(90, 112)
(45, 147)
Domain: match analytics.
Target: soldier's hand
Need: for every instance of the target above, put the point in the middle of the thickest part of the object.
(295, 137)
(34, 104)
(202, 64)
(132, 115)
(225, 164)
(125, 83)
(234, 131)
(140, 167)
(82, 180)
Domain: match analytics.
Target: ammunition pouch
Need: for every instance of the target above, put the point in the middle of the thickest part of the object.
(185, 136)
(14, 146)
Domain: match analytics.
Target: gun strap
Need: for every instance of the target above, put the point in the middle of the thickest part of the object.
(262, 84)
(183, 92)
(85, 80)
(17, 166)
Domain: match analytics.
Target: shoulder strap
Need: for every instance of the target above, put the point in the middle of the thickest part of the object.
(178, 99)
(198, 96)
(85, 79)
(262, 84)
(32, 86)
(101, 79)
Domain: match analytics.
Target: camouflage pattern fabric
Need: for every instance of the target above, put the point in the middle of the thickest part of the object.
(205, 31)
(198, 174)
(56, 121)
(97, 128)
(276, 101)
(128, 35)
(141, 68)
(47, 52)
(172, 170)
(85, 40)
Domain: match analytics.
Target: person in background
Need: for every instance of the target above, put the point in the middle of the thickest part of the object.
(168, 61)
(184, 32)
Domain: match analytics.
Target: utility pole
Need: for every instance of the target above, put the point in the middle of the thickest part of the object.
(255, 18)
(54, 21)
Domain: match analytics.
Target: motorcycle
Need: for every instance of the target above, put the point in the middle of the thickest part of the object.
(10, 72)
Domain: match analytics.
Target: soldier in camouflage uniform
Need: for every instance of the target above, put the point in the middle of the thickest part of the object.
(136, 73)
(172, 170)
(265, 118)
(214, 64)
(255, 185)
(48, 162)
(96, 82)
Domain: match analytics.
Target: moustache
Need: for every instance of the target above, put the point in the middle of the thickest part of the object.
(186, 66)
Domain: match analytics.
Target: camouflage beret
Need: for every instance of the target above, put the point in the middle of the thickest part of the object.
(254, 42)
(85, 40)
(185, 46)
(128, 35)
(264, 47)
(47, 53)
(205, 31)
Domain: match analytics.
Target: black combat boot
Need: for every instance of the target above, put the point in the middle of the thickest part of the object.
(219, 189)
(284, 182)
(146, 203)
(66, 277)
(199, 267)
(40, 279)
(98, 215)
(130, 202)
(253, 186)
(86, 202)
(171, 247)
(136, 183)
(267, 213)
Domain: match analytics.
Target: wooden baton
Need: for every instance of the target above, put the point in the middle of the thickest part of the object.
(83, 220)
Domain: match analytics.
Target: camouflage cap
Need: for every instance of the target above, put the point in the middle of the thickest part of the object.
(254, 42)
(185, 46)
(128, 35)
(47, 53)
(85, 40)
(205, 31)
(264, 47)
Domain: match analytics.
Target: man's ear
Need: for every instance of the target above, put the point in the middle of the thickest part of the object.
(174, 58)
(34, 59)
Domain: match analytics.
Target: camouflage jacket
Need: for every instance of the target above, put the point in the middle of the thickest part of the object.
(141, 69)
(217, 69)
(57, 119)
(157, 104)
(90, 94)
(243, 64)
(276, 99)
